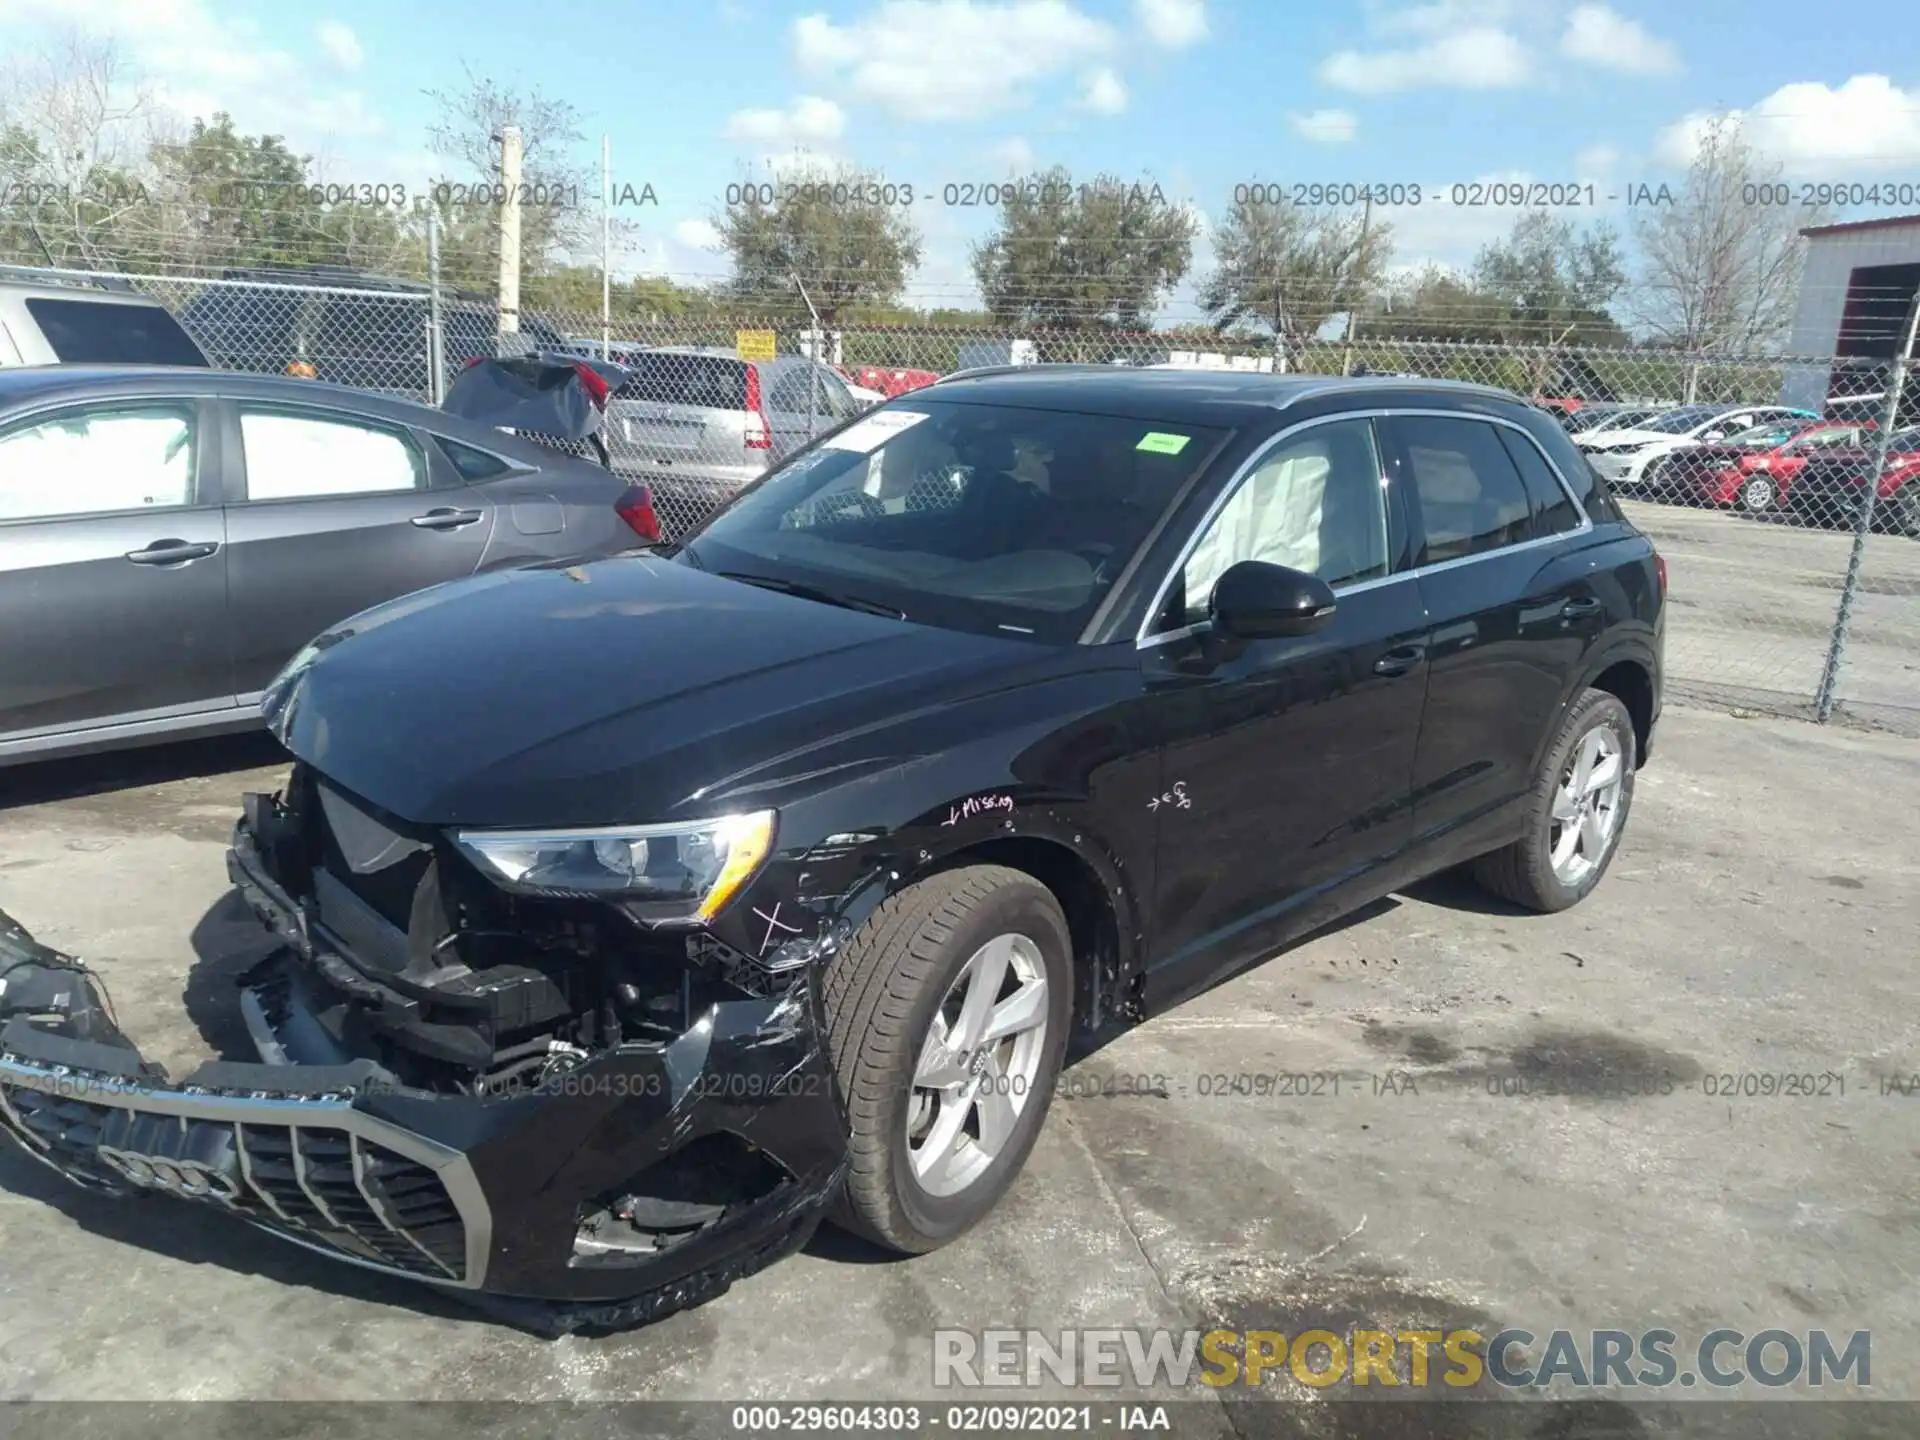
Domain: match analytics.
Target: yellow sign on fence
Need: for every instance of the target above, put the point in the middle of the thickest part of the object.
(753, 344)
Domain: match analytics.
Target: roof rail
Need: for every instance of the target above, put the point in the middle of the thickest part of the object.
(66, 279)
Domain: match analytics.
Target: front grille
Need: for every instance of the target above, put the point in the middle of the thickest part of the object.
(318, 1183)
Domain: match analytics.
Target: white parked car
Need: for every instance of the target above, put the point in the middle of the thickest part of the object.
(1624, 455)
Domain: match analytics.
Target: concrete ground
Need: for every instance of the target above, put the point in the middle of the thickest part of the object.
(1752, 607)
(1487, 1159)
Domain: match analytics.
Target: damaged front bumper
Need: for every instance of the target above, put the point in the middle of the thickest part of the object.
(644, 1180)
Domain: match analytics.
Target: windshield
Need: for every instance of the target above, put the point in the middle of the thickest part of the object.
(973, 517)
(1765, 437)
(1676, 422)
(1621, 419)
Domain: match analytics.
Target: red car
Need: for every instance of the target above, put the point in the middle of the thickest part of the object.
(1831, 486)
(1754, 468)
(888, 380)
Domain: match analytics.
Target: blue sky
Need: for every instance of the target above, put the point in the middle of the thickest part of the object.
(1194, 95)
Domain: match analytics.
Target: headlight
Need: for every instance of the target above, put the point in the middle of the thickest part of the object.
(682, 873)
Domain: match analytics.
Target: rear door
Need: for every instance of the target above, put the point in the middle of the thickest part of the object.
(332, 513)
(113, 567)
(1511, 604)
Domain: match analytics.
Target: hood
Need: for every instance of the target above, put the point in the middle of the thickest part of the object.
(613, 692)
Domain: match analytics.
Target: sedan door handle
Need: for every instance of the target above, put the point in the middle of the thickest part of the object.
(445, 519)
(1580, 607)
(1400, 661)
(172, 552)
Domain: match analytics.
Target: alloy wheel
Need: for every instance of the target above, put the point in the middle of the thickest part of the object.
(1586, 805)
(1757, 493)
(978, 1062)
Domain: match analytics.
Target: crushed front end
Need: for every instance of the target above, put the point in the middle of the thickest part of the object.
(580, 1121)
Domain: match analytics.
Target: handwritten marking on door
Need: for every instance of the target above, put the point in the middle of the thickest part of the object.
(1176, 797)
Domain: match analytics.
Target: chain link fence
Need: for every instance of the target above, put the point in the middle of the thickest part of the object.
(1784, 491)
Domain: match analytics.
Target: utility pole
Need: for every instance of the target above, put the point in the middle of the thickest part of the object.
(1353, 302)
(436, 334)
(813, 374)
(510, 156)
(606, 248)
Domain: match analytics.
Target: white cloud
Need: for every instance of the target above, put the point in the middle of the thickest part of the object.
(1596, 162)
(697, 235)
(1481, 57)
(930, 60)
(341, 44)
(206, 55)
(1442, 233)
(808, 119)
(1015, 156)
(1325, 127)
(1104, 94)
(1869, 123)
(1600, 36)
(1175, 24)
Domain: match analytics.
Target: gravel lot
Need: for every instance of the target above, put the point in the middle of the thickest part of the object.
(1756, 920)
(1752, 606)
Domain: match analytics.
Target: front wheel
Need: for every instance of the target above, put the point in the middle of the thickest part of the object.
(1575, 812)
(947, 1017)
(1757, 494)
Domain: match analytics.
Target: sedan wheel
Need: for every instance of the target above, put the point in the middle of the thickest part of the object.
(948, 1015)
(1757, 493)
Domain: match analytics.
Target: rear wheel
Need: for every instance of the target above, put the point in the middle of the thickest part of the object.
(948, 1016)
(1575, 813)
(1903, 511)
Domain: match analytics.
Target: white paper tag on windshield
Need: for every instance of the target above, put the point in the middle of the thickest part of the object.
(866, 436)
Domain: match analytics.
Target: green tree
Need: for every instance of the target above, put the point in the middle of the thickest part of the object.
(1554, 281)
(1291, 268)
(849, 255)
(1066, 256)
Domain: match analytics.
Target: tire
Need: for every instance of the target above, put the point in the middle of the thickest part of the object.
(1758, 494)
(1524, 871)
(1903, 517)
(883, 991)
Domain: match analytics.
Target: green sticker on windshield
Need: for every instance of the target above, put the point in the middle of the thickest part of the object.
(1158, 442)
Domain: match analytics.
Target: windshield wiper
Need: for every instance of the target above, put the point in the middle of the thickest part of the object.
(814, 592)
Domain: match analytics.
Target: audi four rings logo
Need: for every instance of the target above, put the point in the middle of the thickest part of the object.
(189, 1178)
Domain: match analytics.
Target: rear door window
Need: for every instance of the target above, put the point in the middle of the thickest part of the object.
(1472, 499)
(1554, 510)
(713, 382)
(92, 332)
(305, 456)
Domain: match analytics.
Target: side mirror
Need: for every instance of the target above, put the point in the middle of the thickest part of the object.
(1258, 601)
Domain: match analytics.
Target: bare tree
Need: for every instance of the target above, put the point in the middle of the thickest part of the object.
(1719, 272)
(1291, 268)
(74, 124)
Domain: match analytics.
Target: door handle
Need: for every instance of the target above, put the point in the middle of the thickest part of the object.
(172, 552)
(1400, 661)
(445, 519)
(1580, 607)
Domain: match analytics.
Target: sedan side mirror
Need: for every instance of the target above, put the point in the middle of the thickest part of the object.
(1258, 601)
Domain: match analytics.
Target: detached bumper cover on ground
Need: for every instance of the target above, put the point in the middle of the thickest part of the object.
(493, 1195)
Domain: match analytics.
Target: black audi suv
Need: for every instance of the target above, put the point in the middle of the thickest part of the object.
(638, 914)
